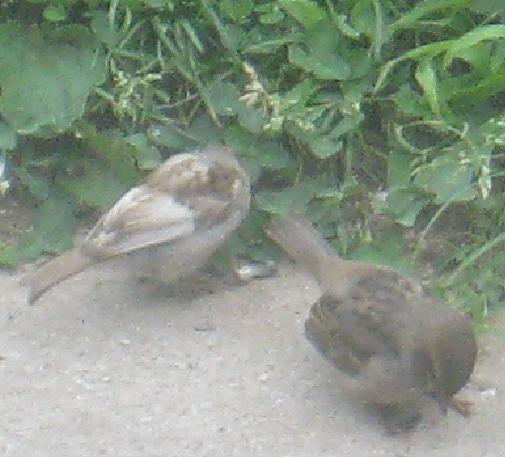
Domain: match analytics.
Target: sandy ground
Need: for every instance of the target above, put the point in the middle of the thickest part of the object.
(102, 367)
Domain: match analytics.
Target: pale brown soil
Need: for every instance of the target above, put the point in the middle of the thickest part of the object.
(101, 367)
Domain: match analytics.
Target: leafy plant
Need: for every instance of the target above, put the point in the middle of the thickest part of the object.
(383, 121)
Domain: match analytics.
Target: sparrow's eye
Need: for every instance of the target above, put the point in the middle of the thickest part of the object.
(221, 179)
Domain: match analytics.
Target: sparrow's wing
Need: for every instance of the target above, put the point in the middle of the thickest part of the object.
(345, 332)
(373, 319)
(144, 217)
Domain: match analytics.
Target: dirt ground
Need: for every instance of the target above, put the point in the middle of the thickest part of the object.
(104, 367)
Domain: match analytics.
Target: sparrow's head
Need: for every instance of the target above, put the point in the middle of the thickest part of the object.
(213, 170)
(225, 175)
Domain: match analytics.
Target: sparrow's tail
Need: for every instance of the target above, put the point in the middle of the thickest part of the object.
(53, 272)
(295, 234)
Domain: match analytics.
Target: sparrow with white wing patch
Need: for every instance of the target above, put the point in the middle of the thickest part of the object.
(168, 226)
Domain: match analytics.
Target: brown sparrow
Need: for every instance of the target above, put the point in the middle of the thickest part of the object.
(397, 344)
(167, 227)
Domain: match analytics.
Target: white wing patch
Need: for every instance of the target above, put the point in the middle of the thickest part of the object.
(141, 218)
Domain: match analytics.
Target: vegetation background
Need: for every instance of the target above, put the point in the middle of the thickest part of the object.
(382, 120)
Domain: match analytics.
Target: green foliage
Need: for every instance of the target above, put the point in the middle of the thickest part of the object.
(44, 82)
(355, 112)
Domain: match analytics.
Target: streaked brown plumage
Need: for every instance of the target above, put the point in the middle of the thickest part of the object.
(168, 226)
(398, 344)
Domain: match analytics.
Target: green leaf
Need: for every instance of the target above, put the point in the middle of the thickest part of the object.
(491, 7)
(111, 152)
(448, 177)
(169, 136)
(37, 184)
(8, 137)
(398, 169)
(363, 17)
(258, 152)
(307, 12)
(299, 94)
(103, 29)
(8, 255)
(147, 156)
(53, 227)
(387, 250)
(324, 146)
(202, 130)
(270, 46)
(412, 17)
(97, 187)
(55, 13)
(485, 32)
(271, 14)
(159, 4)
(279, 202)
(237, 10)
(359, 60)
(322, 56)
(405, 204)
(223, 96)
(46, 79)
(251, 118)
(411, 102)
(427, 79)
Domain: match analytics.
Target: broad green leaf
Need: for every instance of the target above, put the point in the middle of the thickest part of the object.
(345, 28)
(55, 13)
(491, 7)
(53, 227)
(398, 169)
(97, 187)
(478, 56)
(237, 10)
(324, 146)
(38, 185)
(102, 28)
(223, 96)
(169, 136)
(8, 255)
(301, 93)
(363, 17)
(405, 204)
(251, 118)
(358, 58)
(202, 130)
(411, 102)
(349, 123)
(146, 155)
(259, 152)
(386, 250)
(307, 12)
(111, 152)
(270, 14)
(322, 56)
(159, 4)
(448, 177)
(279, 202)
(46, 79)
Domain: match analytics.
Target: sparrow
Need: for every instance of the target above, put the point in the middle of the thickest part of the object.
(167, 227)
(397, 345)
